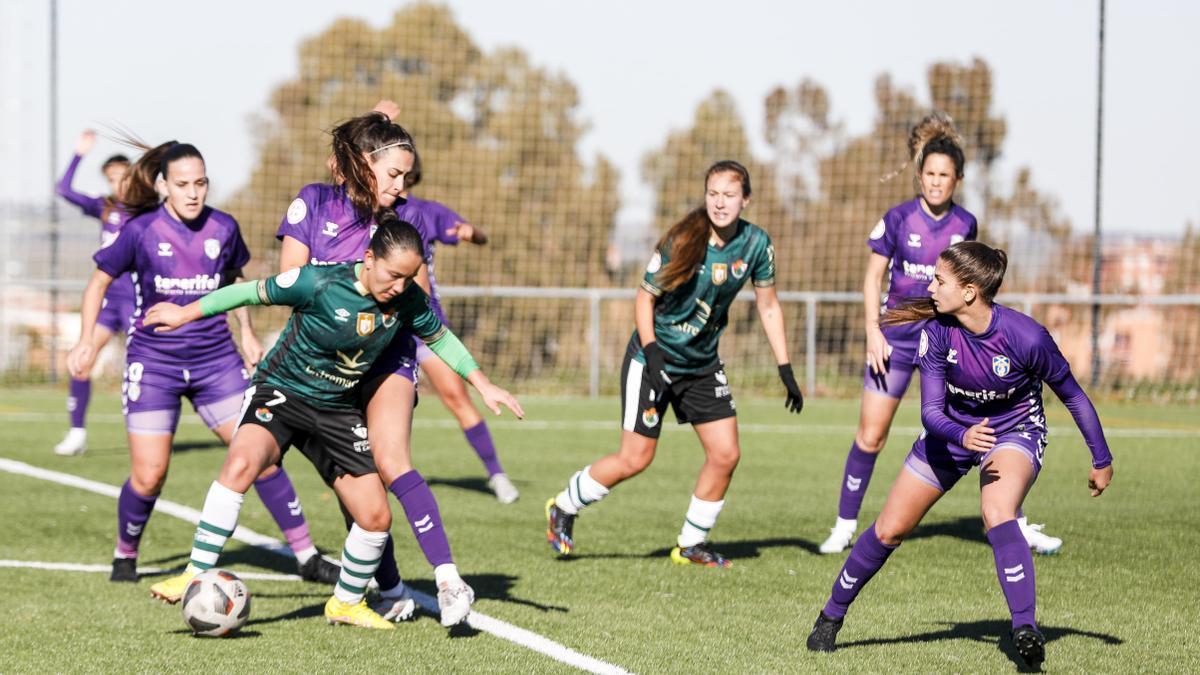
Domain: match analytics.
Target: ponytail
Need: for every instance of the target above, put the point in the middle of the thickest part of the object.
(353, 142)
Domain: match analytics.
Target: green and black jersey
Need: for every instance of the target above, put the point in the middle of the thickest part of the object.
(689, 320)
(336, 331)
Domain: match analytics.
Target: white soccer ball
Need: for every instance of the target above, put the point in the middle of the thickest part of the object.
(216, 603)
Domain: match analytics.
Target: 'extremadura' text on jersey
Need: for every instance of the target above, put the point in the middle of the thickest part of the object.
(336, 331)
(689, 320)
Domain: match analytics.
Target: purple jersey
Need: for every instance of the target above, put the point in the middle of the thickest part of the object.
(112, 218)
(436, 222)
(176, 262)
(998, 374)
(322, 218)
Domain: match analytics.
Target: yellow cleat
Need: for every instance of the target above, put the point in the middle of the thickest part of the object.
(171, 590)
(359, 615)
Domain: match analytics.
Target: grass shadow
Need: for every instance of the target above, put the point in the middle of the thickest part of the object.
(236, 636)
(966, 528)
(733, 550)
(469, 484)
(490, 587)
(188, 446)
(987, 632)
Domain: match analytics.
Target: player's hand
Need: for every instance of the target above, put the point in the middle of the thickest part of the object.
(980, 437)
(252, 349)
(388, 107)
(1099, 479)
(878, 350)
(795, 399)
(80, 360)
(87, 140)
(494, 397)
(166, 316)
(463, 231)
(656, 364)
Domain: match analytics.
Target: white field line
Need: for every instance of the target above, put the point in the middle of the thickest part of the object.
(508, 424)
(480, 622)
(79, 567)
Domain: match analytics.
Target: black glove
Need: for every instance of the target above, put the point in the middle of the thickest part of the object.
(656, 364)
(795, 400)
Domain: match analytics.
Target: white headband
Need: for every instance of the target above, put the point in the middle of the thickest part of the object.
(397, 144)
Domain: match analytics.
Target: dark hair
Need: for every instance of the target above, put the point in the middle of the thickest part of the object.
(138, 193)
(971, 262)
(392, 233)
(413, 177)
(944, 145)
(115, 159)
(365, 134)
(688, 238)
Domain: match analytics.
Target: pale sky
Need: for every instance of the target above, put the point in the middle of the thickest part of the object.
(200, 71)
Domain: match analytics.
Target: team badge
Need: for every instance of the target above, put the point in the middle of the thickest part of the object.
(650, 418)
(365, 324)
(264, 415)
(212, 248)
(880, 229)
(924, 346)
(286, 279)
(296, 211)
(720, 272)
(1001, 365)
(956, 239)
(739, 269)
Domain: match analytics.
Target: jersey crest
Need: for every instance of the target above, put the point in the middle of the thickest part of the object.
(1000, 365)
(212, 248)
(365, 324)
(720, 272)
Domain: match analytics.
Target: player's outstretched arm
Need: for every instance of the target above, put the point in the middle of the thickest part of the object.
(450, 349)
(770, 313)
(168, 316)
(1088, 420)
(82, 355)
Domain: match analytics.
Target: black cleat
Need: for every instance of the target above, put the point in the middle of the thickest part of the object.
(1031, 645)
(701, 554)
(124, 570)
(823, 637)
(319, 569)
(560, 527)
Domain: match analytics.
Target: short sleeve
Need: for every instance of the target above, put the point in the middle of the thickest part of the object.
(297, 222)
(119, 254)
(882, 239)
(972, 229)
(763, 274)
(294, 287)
(239, 253)
(657, 260)
(444, 224)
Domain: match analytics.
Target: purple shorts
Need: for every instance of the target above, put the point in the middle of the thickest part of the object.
(942, 464)
(424, 353)
(119, 304)
(400, 358)
(152, 391)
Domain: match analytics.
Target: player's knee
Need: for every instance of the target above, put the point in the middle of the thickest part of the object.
(725, 459)
(376, 520)
(392, 463)
(871, 441)
(636, 461)
(239, 471)
(995, 514)
(148, 480)
(890, 532)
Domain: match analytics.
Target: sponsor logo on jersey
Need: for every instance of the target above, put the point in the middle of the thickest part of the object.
(341, 314)
(918, 271)
(212, 248)
(350, 365)
(286, 279)
(264, 415)
(981, 395)
(914, 240)
(957, 239)
(200, 284)
(924, 345)
(720, 272)
(296, 211)
(739, 269)
(880, 229)
(365, 325)
(952, 356)
(1001, 365)
(655, 263)
(650, 417)
(331, 229)
(164, 249)
(389, 320)
(703, 315)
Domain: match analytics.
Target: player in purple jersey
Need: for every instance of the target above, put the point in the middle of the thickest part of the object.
(982, 370)
(333, 223)
(906, 242)
(117, 305)
(179, 251)
(439, 224)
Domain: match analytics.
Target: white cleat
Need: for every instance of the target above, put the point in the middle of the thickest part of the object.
(398, 605)
(1040, 543)
(454, 600)
(74, 444)
(840, 536)
(506, 492)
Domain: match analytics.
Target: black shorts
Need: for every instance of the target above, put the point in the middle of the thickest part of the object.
(697, 398)
(334, 440)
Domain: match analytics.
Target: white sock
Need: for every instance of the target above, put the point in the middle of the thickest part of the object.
(581, 490)
(701, 516)
(446, 574)
(360, 558)
(304, 554)
(218, 520)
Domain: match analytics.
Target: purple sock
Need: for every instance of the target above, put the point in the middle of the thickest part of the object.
(133, 510)
(859, 467)
(279, 496)
(421, 509)
(80, 392)
(866, 558)
(1014, 569)
(388, 574)
(481, 439)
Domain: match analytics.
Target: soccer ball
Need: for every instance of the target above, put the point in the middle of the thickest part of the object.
(216, 603)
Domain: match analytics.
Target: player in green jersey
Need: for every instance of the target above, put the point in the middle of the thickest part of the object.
(682, 308)
(306, 394)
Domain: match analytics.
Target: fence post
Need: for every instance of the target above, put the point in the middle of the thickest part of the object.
(594, 338)
(810, 343)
